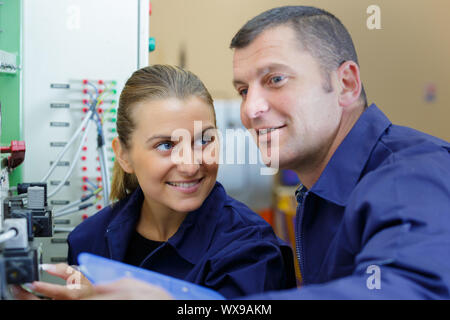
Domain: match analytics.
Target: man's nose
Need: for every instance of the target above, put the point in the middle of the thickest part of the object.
(255, 104)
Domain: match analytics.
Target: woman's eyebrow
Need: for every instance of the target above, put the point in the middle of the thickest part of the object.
(158, 136)
(167, 137)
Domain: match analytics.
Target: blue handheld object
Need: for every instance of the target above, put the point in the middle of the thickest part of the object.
(100, 270)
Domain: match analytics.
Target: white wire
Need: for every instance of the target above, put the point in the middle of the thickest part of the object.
(105, 176)
(8, 235)
(68, 206)
(74, 162)
(61, 154)
(66, 212)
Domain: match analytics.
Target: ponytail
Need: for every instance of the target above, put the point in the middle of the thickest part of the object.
(122, 183)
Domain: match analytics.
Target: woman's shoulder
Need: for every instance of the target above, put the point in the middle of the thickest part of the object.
(97, 224)
(236, 218)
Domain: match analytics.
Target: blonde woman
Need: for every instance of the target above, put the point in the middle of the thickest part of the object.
(173, 217)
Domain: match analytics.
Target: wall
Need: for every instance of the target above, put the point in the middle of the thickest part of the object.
(397, 62)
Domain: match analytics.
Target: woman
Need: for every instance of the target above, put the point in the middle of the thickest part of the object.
(171, 216)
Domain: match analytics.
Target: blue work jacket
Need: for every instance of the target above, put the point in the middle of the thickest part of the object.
(376, 224)
(222, 245)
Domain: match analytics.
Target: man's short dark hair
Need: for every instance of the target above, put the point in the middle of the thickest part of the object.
(320, 33)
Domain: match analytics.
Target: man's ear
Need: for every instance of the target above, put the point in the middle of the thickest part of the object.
(349, 83)
(122, 156)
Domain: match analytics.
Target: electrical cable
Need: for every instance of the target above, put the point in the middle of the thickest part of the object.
(61, 154)
(93, 86)
(8, 235)
(73, 210)
(91, 184)
(74, 162)
(77, 202)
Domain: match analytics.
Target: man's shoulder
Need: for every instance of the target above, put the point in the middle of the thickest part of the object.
(406, 142)
(402, 147)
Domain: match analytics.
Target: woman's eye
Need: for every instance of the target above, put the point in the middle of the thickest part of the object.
(164, 146)
(206, 139)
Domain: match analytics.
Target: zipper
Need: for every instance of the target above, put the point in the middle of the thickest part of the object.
(301, 197)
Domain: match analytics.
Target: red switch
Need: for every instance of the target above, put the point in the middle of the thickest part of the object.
(84, 168)
(83, 158)
(84, 148)
(17, 150)
(84, 216)
(99, 206)
(84, 187)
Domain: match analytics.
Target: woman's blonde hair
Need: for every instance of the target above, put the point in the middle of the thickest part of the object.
(150, 83)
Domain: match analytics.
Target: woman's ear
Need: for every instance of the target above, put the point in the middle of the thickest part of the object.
(349, 83)
(122, 156)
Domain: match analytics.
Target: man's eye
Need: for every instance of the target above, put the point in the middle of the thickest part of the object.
(243, 92)
(164, 146)
(276, 79)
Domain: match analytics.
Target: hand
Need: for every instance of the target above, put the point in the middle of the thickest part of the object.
(129, 289)
(77, 286)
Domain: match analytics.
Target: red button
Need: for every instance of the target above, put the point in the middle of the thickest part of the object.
(84, 168)
(99, 179)
(83, 158)
(85, 179)
(84, 187)
(84, 148)
(99, 169)
(99, 206)
(84, 216)
(85, 81)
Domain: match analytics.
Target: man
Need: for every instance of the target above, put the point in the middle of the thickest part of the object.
(373, 216)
